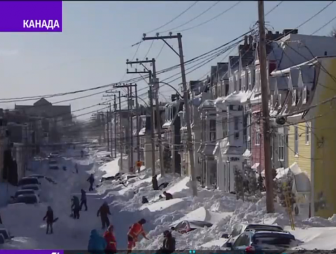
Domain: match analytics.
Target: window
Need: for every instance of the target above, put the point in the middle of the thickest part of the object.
(236, 135)
(257, 138)
(257, 79)
(238, 82)
(236, 123)
(294, 97)
(304, 95)
(212, 130)
(307, 134)
(296, 140)
(281, 145)
(224, 126)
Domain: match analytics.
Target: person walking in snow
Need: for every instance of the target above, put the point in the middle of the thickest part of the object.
(75, 207)
(168, 195)
(83, 200)
(155, 184)
(91, 181)
(168, 245)
(104, 211)
(97, 243)
(110, 240)
(50, 220)
(134, 232)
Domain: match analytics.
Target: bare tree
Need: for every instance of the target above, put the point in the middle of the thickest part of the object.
(333, 32)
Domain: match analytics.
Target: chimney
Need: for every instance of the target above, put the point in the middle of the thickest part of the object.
(290, 31)
(245, 40)
(250, 40)
(277, 32)
(269, 32)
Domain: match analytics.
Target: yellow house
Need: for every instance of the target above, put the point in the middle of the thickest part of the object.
(299, 146)
(311, 118)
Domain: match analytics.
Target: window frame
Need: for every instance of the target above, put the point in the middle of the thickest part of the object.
(281, 147)
(296, 140)
(307, 134)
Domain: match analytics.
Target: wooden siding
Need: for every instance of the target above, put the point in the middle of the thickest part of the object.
(304, 151)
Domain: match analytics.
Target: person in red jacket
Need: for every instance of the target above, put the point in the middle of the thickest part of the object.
(110, 240)
(132, 236)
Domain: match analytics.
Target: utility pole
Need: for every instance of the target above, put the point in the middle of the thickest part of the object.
(115, 124)
(121, 147)
(131, 141)
(138, 122)
(265, 112)
(107, 130)
(150, 96)
(185, 97)
(137, 118)
(154, 82)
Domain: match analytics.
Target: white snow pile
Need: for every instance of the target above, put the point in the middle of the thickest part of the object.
(220, 209)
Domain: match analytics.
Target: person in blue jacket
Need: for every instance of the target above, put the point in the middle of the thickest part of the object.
(97, 243)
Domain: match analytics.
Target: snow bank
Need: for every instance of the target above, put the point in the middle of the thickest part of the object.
(110, 168)
(161, 205)
(180, 186)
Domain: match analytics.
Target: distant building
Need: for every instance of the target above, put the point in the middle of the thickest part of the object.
(55, 117)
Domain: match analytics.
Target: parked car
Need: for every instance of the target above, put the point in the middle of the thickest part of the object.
(252, 241)
(187, 226)
(33, 187)
(37, 176)
(28, 181)
(53, 164)
(240, 228)
(26, 199)
(6, 234)
(23, 192)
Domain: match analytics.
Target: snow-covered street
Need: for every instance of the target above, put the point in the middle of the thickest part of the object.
(25, 222)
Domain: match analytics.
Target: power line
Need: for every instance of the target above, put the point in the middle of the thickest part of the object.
(324, 25)
(207, 21)
(129, 80)
(205, 11)
(173, 18)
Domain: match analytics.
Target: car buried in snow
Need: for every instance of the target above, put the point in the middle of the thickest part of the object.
(239, 228)
(33, 187)
(26, 199)
(186, 226)
(28, 181)
(252, 241)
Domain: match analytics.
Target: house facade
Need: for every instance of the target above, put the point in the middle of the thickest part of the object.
(171, 139)
(310, 134)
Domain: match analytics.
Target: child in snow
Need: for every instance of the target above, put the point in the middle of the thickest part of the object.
(97, 243)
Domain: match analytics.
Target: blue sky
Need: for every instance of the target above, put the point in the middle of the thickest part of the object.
(97, 38)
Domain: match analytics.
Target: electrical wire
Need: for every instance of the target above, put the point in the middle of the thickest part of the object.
(179, 15)
(163, 45)
(207, 21)
(324, 25)
(205, 11)
(149, 49)
(125, 81)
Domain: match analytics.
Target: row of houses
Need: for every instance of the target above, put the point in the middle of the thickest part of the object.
(227, 120)
(28, 130)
